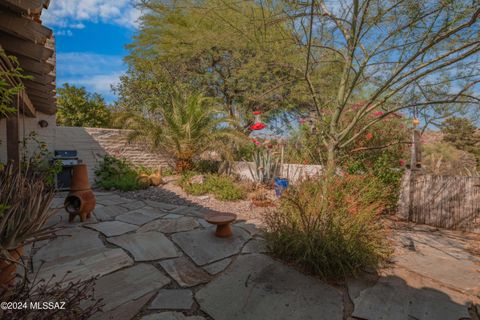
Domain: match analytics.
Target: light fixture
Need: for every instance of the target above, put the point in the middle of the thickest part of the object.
(43, 123)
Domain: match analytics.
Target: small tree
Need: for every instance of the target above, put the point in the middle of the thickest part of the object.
(463, 135)
(7, 90)
(79, 108)
(396, 55)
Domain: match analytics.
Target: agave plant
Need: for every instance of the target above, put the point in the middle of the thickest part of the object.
(266, 166)
(24, 207)
(184, 129)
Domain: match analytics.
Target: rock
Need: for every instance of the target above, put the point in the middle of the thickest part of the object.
(180, 299)
(113, 228)
(70, 242)
(262, 288)
(146, 246)
(218, 266)
(404, 295)
(203, 247)
(250, 226)
(172, 216)
(170, 316)
(141, 216)
(198, 179)
(185, 273)
(82, 267)
(171, 225)
(106, 213)
(203, 198)
(128, 284)
(111, 199)
(125, 311)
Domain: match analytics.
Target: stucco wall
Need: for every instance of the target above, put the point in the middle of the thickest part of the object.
(293, 172)
(90, 143)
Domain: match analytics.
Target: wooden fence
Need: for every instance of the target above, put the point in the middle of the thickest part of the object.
(451, 202)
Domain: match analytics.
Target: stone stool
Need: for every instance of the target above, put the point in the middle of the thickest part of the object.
(222, 221)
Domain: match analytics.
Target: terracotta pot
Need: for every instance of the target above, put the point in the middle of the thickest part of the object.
(80, 178)
(80, 203)
(8, 269)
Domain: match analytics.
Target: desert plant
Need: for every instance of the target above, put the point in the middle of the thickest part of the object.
(115, 173)
(75, 298)
(25, 201)
(265, 165)
(185, 128)
(223, 187)
(335, 240)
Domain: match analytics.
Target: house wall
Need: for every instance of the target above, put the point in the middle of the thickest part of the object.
(293, 172)
(91, 143)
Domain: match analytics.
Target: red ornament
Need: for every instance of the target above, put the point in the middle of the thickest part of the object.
(258, 126)
(257, 113)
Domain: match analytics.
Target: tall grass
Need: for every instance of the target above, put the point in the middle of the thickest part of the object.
(335, 238)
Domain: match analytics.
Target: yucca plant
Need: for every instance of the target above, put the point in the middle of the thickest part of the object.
(266, 166)
(25, 207)
(189, 125)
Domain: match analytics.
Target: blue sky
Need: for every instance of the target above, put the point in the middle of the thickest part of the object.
(90, 37)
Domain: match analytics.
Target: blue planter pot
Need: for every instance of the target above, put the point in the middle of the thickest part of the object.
(280, 185)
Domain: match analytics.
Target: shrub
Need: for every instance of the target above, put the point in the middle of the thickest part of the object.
(333, 238)
(223, 187)
(114, 173)
(207, 166)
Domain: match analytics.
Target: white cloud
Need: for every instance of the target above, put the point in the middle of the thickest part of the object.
(95, 72)
(71, 13)
(64, 32)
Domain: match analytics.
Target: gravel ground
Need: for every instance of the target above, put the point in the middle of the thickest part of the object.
(171, 193)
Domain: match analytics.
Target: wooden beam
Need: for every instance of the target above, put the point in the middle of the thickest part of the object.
(45, 107)
(32, 65)
(17, 46)
(13, 139)
(40, 78)
(40, 93)
(46, 87)
(23, 27)
(24, 6)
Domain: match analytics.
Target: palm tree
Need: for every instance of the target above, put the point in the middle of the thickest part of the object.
(186, 127)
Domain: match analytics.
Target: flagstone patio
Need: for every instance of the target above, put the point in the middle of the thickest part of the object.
(161, 261)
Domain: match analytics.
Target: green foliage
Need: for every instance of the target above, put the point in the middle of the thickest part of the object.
(463, 135)
(114, 173)
(36, 159)
(184, 128)
(265, 165)
(79, 108)
(223, 187)
(7, 91)
(337, 239)
(441, 158)
(207, 166)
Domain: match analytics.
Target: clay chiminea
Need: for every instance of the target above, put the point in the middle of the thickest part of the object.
(81, 199)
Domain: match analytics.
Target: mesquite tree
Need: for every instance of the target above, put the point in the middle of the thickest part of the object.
(396, 55)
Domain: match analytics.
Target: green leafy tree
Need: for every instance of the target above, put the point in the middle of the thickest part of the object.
(184, 128)
(232, 51)
(463, 135)
(79, 108)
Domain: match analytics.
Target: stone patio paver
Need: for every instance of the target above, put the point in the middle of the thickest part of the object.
(203, 247)
(85, 266)
(113, 228)
(185, 273)
(140, 216)
(134, 205)
(401, 295)
(70, 242)
(161, 205)
(106, 213)
(126, 311)
(179, 299)
(129, 284)
(256, 287)
(171, 225)
(170, 316)
(255, 246)
(111, 199)
(218, 266)
(146, 246)
(173, 216)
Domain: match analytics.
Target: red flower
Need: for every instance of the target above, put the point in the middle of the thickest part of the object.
(257, 113)
(256, 141)
(401, 162)
(378, 113)
(369, 136)
(258, 126)
(301, 121)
